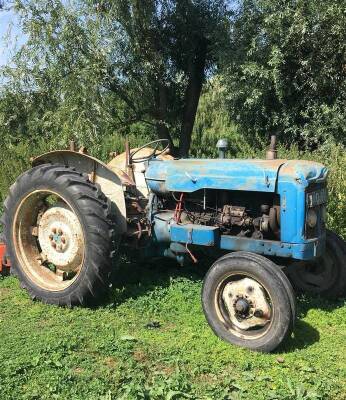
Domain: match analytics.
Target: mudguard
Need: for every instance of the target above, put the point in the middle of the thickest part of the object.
(111, 180)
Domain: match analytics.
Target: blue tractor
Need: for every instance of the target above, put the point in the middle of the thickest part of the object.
(263, 222)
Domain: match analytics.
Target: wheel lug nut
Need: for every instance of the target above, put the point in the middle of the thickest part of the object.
(60, 232)
(51, 237)
(54, 230)
(258, 314)
(54, 245)
(63, 240)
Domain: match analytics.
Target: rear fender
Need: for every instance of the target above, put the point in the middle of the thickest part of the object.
(110, 180)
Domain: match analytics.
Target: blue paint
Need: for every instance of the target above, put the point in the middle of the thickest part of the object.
(294, 178)
(162, 226)
(195, 234)
(193, 174)
(210, 236)
(288, 179)
(299, 251)
(57, 238)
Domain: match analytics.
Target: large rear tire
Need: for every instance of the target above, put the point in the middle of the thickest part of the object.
(59, 235)
(325, 276)
(246, 302)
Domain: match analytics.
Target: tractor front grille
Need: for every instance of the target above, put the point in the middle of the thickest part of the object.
(316, 200)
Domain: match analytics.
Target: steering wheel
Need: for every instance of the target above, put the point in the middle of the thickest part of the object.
(154, 153)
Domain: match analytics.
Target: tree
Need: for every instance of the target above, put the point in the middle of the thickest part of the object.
(285, 70)
(108, 65)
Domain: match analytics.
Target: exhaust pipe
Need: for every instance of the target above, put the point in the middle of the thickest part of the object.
(272, 152)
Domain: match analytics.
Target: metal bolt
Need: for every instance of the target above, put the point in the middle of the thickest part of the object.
(34, 231)
(54, 244)
(63, 240)
(258, 314)
(250, 289)
(51, 237)
(242, 306)
(54, 230)
(60, 232)
(229, 294)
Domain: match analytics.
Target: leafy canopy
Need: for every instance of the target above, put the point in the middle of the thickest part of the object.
(285, 70)
(92, 68)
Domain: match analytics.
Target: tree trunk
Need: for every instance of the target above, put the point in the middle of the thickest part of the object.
(196, 74)
(161, 127)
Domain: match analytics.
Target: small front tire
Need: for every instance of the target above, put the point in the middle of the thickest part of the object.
(246, 303)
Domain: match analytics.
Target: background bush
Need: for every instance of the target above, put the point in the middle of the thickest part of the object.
(211, 125)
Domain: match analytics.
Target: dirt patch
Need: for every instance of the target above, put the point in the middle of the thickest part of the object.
(4, 292)
(110, 362)
(140, 356)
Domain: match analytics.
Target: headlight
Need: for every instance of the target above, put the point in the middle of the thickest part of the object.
(311, 218)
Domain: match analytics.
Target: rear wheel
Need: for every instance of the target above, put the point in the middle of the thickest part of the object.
(59, 235)
(325, 276)
(246, 302)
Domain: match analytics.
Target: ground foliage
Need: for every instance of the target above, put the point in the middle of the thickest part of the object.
(149, 340)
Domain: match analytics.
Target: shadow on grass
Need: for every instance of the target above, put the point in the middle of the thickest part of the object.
(133, 280)
(307, 302)
(304, 336)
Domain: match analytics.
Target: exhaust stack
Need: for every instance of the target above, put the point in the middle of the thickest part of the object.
(272, 151)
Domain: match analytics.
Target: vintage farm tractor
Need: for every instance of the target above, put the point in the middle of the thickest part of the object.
(263, 221)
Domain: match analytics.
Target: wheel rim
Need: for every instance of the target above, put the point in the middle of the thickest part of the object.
(316, 276)
(244, 306)
(48, 240)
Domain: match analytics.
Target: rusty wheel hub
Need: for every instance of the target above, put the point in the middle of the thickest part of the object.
(247, 304)
(61, 238)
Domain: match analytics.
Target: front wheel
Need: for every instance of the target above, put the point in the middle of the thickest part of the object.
(246, 302)
(59, 236)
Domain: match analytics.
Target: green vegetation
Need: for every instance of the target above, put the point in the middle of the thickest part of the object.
(280, 68)
(90, 67)
(285, 70)
(150, 340)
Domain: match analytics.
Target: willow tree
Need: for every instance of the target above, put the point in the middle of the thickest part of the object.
(285, 70)
(114, 64)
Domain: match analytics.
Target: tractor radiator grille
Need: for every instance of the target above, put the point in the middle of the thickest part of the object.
(316, 200)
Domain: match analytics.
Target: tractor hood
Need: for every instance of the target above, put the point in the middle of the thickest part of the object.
(189, 175)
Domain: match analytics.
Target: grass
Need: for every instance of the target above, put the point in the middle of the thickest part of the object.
(149, 340)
